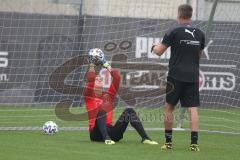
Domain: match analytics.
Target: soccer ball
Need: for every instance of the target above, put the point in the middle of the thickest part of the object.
(50, 128)
(97, 55)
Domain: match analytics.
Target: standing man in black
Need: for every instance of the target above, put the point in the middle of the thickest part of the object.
(187, 43)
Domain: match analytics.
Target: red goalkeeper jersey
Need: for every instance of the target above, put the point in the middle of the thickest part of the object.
(105, 101)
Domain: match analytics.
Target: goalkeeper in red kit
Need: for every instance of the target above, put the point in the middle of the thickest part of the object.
(99, 105)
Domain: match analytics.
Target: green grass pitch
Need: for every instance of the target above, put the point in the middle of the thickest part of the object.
(34, 145)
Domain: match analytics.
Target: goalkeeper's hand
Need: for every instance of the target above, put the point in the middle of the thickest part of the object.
(97, 59)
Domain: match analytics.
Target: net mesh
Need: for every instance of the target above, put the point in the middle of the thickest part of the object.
(40, 38)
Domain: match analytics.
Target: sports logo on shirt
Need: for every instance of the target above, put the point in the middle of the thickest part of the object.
(189, 42)
(192, 33)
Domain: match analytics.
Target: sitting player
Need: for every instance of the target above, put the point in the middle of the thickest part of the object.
(99, 106)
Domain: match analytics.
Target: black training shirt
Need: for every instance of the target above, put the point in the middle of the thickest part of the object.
(186, 42)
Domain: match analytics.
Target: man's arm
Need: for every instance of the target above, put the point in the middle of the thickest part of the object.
(91, 67)
(159, 48)
(90, 76)
(115, 81)
(167, 41)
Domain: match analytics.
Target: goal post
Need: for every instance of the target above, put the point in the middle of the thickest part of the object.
(43, 46)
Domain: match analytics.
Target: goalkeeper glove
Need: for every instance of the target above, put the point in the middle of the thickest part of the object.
(106, 65)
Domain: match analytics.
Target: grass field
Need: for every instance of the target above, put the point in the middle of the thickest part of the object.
(24, 145)
(33, 145)
(210, 119)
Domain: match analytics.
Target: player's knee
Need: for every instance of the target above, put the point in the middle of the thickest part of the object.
(194, 120)
(130, 111)
(130, 115)
(169, 107)
(168, 117)
(168, 113)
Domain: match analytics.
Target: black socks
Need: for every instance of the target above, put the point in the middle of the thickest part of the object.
(194, 137)
(168, 136)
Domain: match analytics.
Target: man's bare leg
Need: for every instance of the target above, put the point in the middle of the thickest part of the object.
(168, 124)
(194, 123)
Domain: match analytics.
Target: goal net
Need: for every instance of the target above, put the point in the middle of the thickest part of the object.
(43, 50)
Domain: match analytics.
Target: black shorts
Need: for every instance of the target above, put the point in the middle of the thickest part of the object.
(186, 92)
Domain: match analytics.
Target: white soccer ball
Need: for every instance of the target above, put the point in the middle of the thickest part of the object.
(97, 55)
(50, 128)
